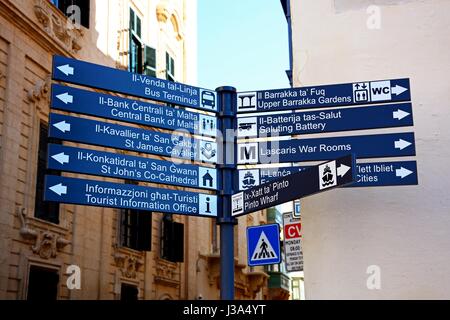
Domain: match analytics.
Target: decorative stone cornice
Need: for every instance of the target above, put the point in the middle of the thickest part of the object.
(129, 264)
(167, 273)
(45, 243)
(41, 90)
(58, 26)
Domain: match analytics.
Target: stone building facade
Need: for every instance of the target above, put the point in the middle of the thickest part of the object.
(41, 243)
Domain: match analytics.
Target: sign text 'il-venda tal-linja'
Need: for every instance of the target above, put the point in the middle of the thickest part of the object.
(110, 79)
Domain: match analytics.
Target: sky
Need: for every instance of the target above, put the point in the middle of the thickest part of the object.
(242, 43)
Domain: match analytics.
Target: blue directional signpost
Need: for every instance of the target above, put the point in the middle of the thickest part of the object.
(368, 146)
(131, 138)
(307, 182)
(372, 117)
(193, 116)
(128, 196)
(263, 245)
(110, 79)
(132, 111)
(121, 166)
(367, 92)
(373, 174)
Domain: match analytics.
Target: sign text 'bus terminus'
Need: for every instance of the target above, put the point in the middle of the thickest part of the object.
(138, 85)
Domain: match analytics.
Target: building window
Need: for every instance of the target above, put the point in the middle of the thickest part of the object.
(44, 210)
(42, 284)
(142, 57)
(136, 230)
(172, 240)
(296, 289)
(84, 10)
(170, 67)
(128, 292)
(135, 24)
(150, 62)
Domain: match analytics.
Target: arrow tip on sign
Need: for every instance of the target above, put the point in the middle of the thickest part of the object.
(62, 158)
(402, 144)
(400, 114)
(403, 173)
(65, 97)
(398, 90)
(342, 170)
(66, 69)
(62, 126)
(59, 189)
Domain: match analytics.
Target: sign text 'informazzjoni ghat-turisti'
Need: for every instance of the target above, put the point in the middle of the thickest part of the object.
(131, 138)
(122, 166)
(128, 196)
(110, 79)
(133, 111)
(367, 92)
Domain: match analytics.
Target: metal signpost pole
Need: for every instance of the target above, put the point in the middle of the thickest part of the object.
(226, 97)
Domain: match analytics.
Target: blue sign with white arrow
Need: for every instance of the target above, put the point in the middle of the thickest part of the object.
(366, 146)
(110, 79)
(128, 196)
(128, 167)
(359, 93)
(132, 111)
(131, 138)
(315, 179)
(333, 120)
(374, 174)
(263, 245)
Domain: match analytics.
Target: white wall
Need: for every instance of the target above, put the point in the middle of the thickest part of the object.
(403, 230)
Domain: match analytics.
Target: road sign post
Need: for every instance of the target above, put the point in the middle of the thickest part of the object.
(227, 167)
(238, 192)
(263, 245)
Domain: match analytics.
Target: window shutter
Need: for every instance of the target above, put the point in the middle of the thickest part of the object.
(132, 20)
(44, 210)
(144, 231)
(178, 243)
(150, 61)
(138, 26)
(165, 239)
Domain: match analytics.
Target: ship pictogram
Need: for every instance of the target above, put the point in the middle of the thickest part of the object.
(327, 177)
(249, 181)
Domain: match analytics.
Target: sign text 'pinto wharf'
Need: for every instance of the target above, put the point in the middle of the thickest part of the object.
(110, 79)
(307, 182)
(131, 138)
(348, 94)
(133, 111)
(128, 167)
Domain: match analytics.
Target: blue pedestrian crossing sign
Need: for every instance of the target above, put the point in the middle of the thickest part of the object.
(263, 245)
